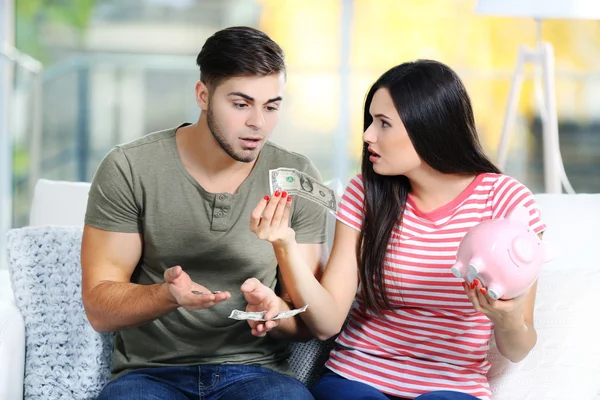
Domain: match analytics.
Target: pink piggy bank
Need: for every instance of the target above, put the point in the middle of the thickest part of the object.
(505, 255)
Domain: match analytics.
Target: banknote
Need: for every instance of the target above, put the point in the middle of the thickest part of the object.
(260, 315)
(199, 292)
(298, 183)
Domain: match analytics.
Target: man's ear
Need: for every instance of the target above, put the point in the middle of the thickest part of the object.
(202, 95)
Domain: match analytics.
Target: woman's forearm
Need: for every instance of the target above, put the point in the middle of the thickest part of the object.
(323, 316)
(515, 340)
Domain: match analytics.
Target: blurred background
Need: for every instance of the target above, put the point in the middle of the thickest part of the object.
(85, 75)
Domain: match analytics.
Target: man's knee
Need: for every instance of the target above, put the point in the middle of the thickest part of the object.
(138, 386)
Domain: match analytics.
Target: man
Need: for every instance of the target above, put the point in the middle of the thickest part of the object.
(167, 226)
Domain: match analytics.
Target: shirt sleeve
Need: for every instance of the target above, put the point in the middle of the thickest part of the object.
(510, 193)
(309, 220)
(351, 208)
(111, 203)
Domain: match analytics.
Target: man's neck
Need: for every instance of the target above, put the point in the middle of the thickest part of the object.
(207, 162)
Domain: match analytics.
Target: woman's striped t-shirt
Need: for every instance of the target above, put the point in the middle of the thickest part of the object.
(433, 339)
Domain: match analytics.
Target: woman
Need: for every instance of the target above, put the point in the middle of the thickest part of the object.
(415, 330)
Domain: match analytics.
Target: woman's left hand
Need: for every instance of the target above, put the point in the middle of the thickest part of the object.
(505, 314)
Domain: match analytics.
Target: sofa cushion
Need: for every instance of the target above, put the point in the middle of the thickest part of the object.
(12, 351)
(308, 359)
(59, 203)
(6, 293)
(65, 358)
(565, 363)
(573, 222)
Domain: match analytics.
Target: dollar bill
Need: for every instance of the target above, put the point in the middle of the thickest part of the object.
(260, 315)
(298, 183)
(200, 293)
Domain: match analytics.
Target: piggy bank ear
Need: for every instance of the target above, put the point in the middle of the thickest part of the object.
(549, 251)
(519, 213)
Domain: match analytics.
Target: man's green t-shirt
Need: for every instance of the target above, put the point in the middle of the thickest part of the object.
(143, 187)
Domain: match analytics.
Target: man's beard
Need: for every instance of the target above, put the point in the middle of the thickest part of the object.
(217, 132)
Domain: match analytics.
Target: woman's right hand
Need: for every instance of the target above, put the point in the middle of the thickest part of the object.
(270, 219)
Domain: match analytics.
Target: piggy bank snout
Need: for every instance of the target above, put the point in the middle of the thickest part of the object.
(523, 249)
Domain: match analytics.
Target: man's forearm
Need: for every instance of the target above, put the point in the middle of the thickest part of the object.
(111, 306)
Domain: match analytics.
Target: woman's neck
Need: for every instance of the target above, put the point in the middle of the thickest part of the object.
(431, 189)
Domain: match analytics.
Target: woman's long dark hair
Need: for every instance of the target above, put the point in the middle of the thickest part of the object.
(436, 111)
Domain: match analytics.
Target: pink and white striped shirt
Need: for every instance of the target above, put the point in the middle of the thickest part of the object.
(433, 339)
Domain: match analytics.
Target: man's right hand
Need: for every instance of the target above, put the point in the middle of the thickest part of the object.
(181, 286)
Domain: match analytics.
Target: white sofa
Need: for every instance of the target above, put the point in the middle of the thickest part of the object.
(564, 364)
(54, 203)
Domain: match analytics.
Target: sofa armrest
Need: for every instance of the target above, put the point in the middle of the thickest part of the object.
(12, 352)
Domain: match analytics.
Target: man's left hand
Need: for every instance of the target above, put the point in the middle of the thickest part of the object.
(261, 298)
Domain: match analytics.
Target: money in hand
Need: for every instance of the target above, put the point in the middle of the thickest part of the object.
(260, 315)
(200, 293)
(298, 183)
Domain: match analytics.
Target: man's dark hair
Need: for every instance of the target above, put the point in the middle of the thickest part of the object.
(238, 51)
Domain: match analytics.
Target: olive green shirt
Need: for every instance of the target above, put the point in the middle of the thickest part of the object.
(143, 187)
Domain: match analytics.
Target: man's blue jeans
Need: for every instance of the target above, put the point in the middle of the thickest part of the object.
(205, 382)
